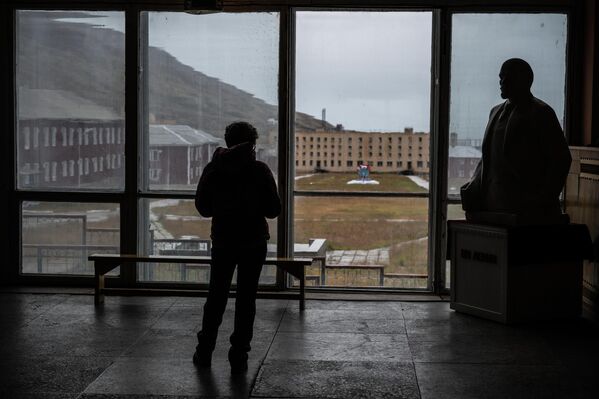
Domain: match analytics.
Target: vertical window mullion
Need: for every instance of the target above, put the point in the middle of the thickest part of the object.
(129, 213)
(286, 95)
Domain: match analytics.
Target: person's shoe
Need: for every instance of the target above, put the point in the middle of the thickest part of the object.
(238, 361)
(202, 358)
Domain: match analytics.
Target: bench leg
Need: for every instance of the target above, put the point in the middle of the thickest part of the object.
(99, 289)
(302, 292)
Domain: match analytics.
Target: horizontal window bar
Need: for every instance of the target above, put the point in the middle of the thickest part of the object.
(359, 194)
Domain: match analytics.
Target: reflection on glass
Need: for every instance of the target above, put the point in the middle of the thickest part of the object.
(57, 237)
(70, 100)
(176, 228)
(362, 125)
(480, 45)
(203, 73)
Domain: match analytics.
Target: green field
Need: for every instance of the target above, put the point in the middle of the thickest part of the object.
(389, 182)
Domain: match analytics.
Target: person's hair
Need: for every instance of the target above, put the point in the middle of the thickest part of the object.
(522, 69)
(240, 132)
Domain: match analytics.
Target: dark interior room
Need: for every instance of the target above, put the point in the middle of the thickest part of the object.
(299, 199)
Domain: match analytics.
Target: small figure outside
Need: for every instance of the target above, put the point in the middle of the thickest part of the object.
(364, 171)
(525, 157)
(238, 192)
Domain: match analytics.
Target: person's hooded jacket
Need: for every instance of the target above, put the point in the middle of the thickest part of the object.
(238, 192)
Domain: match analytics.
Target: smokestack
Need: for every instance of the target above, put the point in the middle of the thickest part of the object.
(324, 118)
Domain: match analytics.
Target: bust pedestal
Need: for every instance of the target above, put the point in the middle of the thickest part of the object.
(517, 273)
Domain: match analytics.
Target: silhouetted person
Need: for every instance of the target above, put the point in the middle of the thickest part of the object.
(525, 158)
(238, 192)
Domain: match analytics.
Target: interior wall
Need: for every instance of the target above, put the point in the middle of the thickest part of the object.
(590, 86)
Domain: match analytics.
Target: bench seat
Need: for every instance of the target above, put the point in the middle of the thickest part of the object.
(104, 263)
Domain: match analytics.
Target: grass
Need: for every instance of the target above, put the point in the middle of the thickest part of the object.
(361, 208)
(389, 182)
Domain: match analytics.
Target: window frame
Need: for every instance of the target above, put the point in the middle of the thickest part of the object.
(131, 197)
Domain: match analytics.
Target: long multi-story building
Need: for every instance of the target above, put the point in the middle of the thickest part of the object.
(338, 150)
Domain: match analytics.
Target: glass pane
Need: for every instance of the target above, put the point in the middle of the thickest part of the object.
(176, 228)
(57, 237)
(203, 73)
(480, 44)
(70, 100)
(362, 124)
(365, 241)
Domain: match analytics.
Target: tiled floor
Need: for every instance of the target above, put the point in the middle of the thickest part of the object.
(61, 346)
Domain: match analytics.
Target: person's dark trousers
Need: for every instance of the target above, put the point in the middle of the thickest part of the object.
(224, 259)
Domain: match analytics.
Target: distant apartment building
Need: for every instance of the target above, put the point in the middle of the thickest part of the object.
(463, 159)
(178, 154)
(65, 141)
(338, 150)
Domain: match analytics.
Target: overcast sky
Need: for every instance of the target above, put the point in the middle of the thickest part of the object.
(370, 70)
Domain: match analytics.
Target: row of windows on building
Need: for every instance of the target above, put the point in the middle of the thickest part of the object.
(196, 154)
(155, 173)
(398, 164)
(79, 167)
(349, 147)
(349, 154)
(53, 136)
(349, 139)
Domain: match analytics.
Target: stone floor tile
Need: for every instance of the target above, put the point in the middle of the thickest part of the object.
(180, 344)
(458, 324)
(340, 347)
(352, 321)
(465, 381)
(43, 395)
(180, 318)
(72, 340)
(332, 379)
(19, 309)
(491, 349)
(384, 309)
(48, 374)
(134, 396)
(426, 310)
(128, 376)
(131, 316)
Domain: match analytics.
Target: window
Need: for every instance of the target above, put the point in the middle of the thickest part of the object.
(54, 165)
(538, 38)
(155, 174)
(355, 36)
(155, 155)
(70, 94)
(199, 73)
(228, 69)
(26, 138)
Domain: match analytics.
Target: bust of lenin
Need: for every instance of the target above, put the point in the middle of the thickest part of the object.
(525, 157)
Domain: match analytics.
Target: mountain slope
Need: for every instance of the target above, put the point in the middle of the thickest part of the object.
(89, 61)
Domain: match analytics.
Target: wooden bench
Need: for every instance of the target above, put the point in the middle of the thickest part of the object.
(104, 263)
